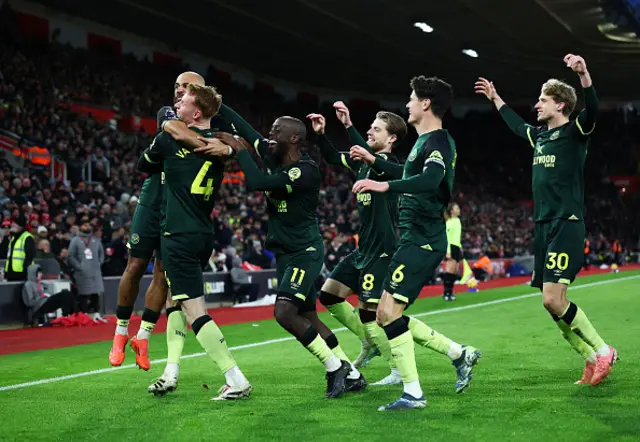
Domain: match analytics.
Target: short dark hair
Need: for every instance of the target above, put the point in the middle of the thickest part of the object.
(438, 91)
(296, 125)
(395, 125)
(208, 100)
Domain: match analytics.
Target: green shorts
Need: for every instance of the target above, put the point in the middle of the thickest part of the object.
(145, 233)
(185, 257)
(297, 274)
(411, 268)
(558, 249)
(365, 280)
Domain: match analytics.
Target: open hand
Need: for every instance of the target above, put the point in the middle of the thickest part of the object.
(342, 112)
(318, 123)
(486, 88)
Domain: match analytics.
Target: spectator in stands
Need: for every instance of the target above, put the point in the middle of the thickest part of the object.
(336, 251)
(256, 255)
(38, 302)
(44, 250)
(22, 251)
(86, 256)
(241, 281)
(6, 237)
(482, 268)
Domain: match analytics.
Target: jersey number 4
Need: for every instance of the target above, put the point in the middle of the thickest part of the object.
(197, 188)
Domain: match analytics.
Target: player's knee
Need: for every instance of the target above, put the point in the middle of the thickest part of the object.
(382, 318)
(136, 267)
(328, 299)
(551, 303)
(284, 311)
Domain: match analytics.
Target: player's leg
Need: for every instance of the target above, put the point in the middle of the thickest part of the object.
(450, 275)
(184, 256)
(155, 299)
(127, 294)
(344, 281)
(355, 380)
(463, 357)
(145, 234)
(370, 288)
(562, 261)
(176, 334)
(405, 278)
(294, 289)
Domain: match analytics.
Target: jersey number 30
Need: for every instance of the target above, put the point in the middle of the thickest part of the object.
(197, 188)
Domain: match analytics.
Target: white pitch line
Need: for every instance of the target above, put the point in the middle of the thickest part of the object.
(275, 341)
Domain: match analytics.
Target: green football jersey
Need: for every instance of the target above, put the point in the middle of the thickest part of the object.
(377, 212)
(422, 213)
(191, 182)
(151, 192)
(292, 202)
(557, 176)
(559, 155)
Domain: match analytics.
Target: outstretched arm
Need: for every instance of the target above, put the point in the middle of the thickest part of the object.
(256, 179)
(246, 131)
(586, 121)
(344, 115)
(513, 120)
(328, 150)
(437, 155)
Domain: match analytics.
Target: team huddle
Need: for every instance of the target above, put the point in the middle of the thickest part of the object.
(402, 231)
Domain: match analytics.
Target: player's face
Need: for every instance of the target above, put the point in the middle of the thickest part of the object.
(547, 108)
(182, 83)
(279, 137)
(378, 137)
(455, 210)
(415, 106)
(186, 108)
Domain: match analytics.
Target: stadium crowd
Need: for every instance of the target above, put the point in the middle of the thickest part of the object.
(38, 80)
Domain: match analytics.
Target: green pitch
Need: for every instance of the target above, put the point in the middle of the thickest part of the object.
(522, 389)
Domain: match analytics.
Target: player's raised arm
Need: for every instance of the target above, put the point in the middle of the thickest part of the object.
(513, 120)
(328, 150)
(246, 131)
(344, 115)
(586, 120)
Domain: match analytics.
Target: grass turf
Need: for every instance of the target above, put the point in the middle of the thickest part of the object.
(522, 389)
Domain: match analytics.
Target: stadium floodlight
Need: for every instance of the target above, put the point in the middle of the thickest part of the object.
(423, 27)
(470, 52)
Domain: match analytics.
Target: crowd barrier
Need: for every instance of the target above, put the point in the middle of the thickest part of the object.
(217, 288)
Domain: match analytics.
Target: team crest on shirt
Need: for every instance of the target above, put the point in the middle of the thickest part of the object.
(413, 154)
(294, 173)
(135, 238)
(170, 113)
(436, 155)
(554, 136)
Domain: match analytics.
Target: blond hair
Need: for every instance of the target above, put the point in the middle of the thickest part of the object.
(207, 99)
(561, 92)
